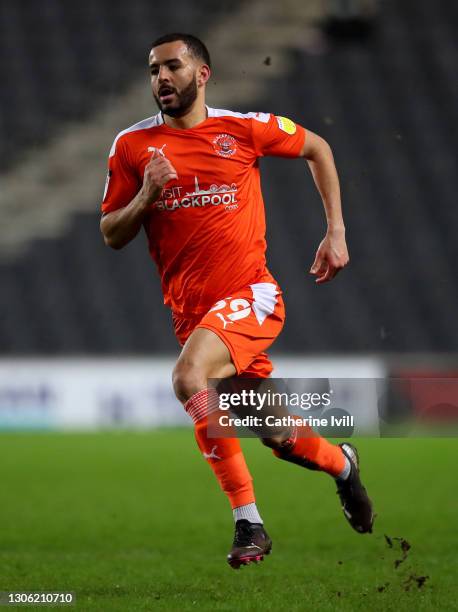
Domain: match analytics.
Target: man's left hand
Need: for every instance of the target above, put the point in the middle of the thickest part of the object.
(331, 256)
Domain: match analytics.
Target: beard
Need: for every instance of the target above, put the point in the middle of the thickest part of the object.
(184, 100)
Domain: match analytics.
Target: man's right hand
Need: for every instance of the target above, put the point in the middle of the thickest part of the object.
(121, 226)
(158, 172)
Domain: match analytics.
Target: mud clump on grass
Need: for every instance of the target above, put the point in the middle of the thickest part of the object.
(408, 578)
(413, 580)
(404, 546)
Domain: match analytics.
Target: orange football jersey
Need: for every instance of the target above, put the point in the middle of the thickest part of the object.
(206, 233)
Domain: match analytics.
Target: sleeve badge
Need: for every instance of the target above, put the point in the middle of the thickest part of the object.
(286, 125)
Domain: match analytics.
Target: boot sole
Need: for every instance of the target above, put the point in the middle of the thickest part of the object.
(241, 561)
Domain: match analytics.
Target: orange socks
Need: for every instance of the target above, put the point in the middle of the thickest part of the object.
(307, 449)
(224, 455)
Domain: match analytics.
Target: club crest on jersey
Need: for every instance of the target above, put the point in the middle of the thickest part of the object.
(225, 145)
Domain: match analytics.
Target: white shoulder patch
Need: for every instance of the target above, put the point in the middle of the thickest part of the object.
(220, 112)
(150, 122)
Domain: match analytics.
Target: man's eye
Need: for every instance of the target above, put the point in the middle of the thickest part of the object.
(154, 71)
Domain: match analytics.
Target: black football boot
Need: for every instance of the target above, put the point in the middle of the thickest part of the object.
(356, 504)
(251, 543)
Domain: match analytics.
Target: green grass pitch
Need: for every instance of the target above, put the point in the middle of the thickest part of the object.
(136, 521)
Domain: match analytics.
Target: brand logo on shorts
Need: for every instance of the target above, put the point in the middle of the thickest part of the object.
(225, 145)
(238, 308)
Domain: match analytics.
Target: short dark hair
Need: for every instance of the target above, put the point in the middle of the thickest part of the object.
(195, 46)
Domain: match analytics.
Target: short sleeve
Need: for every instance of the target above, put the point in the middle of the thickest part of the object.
(277, 136)
(122, 182)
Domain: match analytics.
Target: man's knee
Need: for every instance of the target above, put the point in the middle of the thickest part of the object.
(188, 378)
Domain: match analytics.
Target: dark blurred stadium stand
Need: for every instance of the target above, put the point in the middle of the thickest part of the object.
(59, 59)
(386, 103)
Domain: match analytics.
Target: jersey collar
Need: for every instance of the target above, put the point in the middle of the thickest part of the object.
(160, 118)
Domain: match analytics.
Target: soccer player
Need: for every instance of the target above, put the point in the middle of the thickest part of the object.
(189, 176)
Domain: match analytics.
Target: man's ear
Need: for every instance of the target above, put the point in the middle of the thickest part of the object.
(203, 74)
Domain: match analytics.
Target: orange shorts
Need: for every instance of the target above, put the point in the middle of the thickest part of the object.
(247, 321)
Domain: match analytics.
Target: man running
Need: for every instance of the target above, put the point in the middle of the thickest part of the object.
(190, 177)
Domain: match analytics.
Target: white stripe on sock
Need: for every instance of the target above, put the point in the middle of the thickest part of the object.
(345, 473)
(248, 512)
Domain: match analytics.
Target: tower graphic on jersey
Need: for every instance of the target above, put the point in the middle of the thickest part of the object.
(211, 190)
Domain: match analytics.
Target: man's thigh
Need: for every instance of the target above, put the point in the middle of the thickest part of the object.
(205, 351)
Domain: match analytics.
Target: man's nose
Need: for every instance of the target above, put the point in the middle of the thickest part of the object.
(164, 73)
